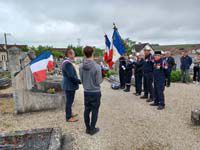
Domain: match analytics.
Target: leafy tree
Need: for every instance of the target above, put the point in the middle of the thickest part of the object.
(129, 45)
(25, 48)
(78, 50)
(98, 52)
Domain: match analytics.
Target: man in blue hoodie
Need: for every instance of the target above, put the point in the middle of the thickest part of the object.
(70, 83)
(186, 62)
(91, 77)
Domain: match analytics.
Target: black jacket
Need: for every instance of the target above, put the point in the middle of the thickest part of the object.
(171, 62)
(186, 62)
(139, 65)
(148, 64)
(122, 62)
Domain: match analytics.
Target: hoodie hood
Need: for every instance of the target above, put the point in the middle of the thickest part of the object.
(88, 64)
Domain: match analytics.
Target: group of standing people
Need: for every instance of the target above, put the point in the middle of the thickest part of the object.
(151, 71)
(91, 78)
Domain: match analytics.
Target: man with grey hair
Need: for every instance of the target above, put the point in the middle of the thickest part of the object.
(70, 83)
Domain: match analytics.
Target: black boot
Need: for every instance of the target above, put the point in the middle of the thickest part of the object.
(149, 100)
(144, 97)
(127, 88)
(122, 87)
(160, 107)
(94, 131)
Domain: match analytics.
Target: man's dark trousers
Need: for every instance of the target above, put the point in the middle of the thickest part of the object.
(168, 79)
(69, 101)
(159, 86)
(148, 84)
(196, 73)
(122, 78)
(138, 83)
(92, 103)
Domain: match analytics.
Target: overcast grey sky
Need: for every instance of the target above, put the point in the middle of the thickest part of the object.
(62, 22)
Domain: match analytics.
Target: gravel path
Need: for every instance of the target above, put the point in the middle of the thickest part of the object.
(126, 122)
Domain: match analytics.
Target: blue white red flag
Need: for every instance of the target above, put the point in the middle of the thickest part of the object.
(118, 46)
(40, 65)
(108, 52)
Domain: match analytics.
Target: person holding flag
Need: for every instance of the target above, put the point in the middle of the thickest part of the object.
(118, 54)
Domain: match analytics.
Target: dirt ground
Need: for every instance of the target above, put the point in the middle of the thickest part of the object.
(126, 122)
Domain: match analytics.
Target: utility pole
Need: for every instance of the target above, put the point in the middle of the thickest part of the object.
(6, 43)
(5, 37)
(79, 42)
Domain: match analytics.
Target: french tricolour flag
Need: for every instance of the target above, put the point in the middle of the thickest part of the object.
(40, 64)
(108, 52)
(118, 46)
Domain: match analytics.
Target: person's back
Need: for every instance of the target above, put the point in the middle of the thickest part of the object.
(91, 77)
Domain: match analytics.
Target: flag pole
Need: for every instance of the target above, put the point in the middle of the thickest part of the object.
(114, 26)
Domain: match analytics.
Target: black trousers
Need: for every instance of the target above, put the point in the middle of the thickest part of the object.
(128, 77)
(122, 78)
(138, 83)
(148, 84)
(69, 101)
(168, 78)
(159, 87)
(92, 104)
(196, 74)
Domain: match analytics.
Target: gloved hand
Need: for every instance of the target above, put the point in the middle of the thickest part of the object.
(124, 68)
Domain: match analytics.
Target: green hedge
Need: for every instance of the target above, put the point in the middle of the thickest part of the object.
(176, 76)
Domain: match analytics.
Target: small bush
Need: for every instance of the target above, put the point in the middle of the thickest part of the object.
(109, 73)
(51, 91)
(176, 76)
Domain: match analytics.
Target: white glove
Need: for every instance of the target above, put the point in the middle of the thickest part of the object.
(123, 67)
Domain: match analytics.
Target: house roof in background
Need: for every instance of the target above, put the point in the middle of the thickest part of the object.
(2, 46)
(141, 46)
(177, 49)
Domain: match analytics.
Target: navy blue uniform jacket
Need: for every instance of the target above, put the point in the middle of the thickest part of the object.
(186, 62)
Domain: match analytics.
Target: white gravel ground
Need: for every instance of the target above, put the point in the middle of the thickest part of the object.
(126, 122)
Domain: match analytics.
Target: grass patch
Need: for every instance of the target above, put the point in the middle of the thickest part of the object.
(6, 106)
